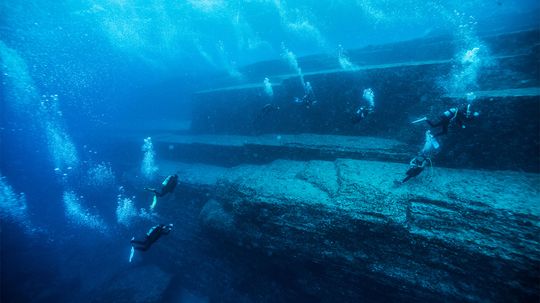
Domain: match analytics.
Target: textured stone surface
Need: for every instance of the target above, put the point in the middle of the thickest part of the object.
(410, 80)
(230, 150)
(144, 284)
(458, 235)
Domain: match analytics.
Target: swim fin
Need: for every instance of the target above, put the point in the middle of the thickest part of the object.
(419, 120)
(154, 202)
(131, 254)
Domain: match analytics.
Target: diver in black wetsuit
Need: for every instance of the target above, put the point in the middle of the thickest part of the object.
(361, 113)
(167, 186)
(151, 236)
(309, 96)
(364, 110)
(459, 115)
(417, 165)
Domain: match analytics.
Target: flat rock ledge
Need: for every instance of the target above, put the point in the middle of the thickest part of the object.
(448, 235)
(231, 150)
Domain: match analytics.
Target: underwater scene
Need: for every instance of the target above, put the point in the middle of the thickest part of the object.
(244, 151)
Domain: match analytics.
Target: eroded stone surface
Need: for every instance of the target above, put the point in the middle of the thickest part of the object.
(464, 235)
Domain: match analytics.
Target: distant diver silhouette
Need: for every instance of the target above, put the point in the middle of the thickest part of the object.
(364, 110)
(309, 96)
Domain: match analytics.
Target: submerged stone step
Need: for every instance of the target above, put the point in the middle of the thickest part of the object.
(410, 80)
(229, 150)
(277, 80)
(448, 235)
(501, 93)
(423, 51)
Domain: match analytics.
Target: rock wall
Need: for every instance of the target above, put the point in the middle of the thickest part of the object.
(410, 81)
(343, 231)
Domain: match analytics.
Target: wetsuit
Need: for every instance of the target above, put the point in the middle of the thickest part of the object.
(459, 115)
(168, 186)
(309, 97)
(361, 113)
(417, 166)
(308, 100)
(151, 236)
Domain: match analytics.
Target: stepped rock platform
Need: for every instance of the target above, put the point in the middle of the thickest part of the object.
(410, 79)
(299, 204)
(473, 149)
(343, 231)
(512, 48)
(229, 150)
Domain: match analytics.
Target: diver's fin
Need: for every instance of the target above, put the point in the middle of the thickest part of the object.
(419, 120)
(131, 254)
(154, 202)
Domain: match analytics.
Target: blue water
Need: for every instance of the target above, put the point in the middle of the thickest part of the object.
(77, 73)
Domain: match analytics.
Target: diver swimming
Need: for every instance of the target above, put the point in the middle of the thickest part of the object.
(309, 96)
(459, 115)
(167, 186)
(150, 238)
(416, 166)
(364, 110)
(418, 163)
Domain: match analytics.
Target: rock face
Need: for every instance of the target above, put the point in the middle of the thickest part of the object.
(144, 284)
(342, 231)
(410, 80)
(231, 150)
(328, 229)
(404, 75)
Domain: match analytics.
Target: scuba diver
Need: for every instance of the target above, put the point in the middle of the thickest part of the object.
(167, 186)
(417, 165)
(460, 115)
(309, 96)
(361, 113)
(365, 110)
(151, 236)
